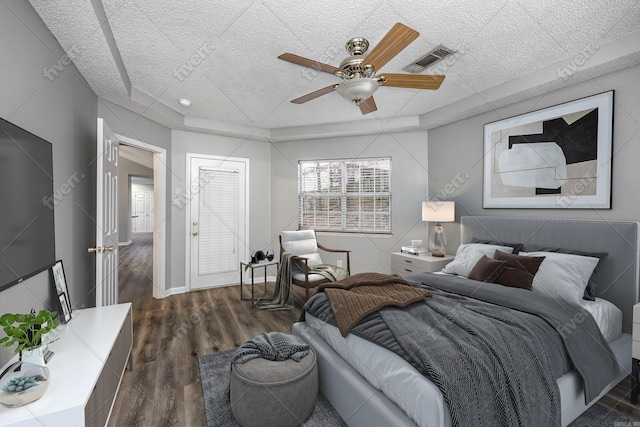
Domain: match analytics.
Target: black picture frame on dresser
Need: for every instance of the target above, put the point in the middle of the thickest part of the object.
(59, 281)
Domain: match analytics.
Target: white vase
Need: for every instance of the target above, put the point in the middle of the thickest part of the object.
(34, 356)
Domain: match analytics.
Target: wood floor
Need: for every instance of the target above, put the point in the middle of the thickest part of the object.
(163, 388)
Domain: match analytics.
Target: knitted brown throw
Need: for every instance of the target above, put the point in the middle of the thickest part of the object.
(359, 295)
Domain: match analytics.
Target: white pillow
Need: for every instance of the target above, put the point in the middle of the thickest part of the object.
(469, 254)
(563, 276)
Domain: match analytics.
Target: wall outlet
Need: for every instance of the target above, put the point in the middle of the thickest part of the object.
(339, 263)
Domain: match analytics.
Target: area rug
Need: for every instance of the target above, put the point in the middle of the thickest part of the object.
(214, 375)
(598, 416)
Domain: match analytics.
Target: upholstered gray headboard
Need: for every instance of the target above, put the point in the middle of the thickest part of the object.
(618, 273)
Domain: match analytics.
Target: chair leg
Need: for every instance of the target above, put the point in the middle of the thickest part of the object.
(306, 294)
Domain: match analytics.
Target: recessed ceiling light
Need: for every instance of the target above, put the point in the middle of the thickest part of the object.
(184, 102)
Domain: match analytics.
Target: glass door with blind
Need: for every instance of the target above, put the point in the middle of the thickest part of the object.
(218, 220)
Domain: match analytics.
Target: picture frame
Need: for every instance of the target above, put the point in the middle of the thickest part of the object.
(65, 312)
(62, 292)
(555, 158)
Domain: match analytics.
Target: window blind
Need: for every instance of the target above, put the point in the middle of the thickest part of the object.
(345, 195)
(219, 221)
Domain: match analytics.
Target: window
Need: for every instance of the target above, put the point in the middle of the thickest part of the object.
(345, 195)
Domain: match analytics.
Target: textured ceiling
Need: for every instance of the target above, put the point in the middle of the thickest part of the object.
(222, 55)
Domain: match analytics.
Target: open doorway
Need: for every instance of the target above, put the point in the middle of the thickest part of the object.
(135, 224)
(141, 198)
(142, 224)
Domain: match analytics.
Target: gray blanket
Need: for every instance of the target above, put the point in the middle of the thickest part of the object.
(587, 349)
(494, 365)
(274, 346)
(283, 294)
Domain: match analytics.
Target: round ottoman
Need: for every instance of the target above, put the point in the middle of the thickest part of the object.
(266, 393)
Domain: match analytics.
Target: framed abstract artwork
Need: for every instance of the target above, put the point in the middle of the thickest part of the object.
(558, 157)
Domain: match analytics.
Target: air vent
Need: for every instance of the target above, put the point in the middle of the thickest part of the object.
(436, 55)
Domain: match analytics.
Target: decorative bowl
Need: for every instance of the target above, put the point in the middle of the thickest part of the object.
(23, 383)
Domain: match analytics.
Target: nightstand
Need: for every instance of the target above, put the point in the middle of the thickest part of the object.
(404, 264)
(635, 354)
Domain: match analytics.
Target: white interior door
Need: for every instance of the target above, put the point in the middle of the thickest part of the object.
(218, 220)
(106, 248)
(143, 211)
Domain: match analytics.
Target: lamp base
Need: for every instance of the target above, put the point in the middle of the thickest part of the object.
(437, 241)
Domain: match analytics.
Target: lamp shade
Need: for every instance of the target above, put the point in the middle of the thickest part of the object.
(438, 211)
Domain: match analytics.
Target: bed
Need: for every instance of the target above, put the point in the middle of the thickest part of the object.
(355, 374)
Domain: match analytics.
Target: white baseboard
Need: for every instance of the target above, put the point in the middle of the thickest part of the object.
(175, 291)
(127, 243)
(247, 281)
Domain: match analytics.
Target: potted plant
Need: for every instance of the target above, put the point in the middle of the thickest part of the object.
(28, 332)
(26, 380)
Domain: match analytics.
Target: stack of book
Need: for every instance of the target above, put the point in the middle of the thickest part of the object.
(413, 251)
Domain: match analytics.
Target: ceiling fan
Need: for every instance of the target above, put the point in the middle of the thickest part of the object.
(358, 71)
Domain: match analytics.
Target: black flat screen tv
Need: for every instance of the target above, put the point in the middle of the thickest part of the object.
(27, 201)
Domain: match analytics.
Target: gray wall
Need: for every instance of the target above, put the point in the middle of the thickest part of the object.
(456, 150)
(63, 111)
(409, 178)
(258, 154)
(127, 168)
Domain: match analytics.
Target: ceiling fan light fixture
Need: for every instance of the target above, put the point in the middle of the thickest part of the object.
(357, 90)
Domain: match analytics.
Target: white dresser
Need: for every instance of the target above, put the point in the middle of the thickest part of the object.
(404, 264)
(86, 369)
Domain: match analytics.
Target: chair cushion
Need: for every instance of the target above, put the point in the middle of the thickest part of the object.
(312, 277)
(302, 243)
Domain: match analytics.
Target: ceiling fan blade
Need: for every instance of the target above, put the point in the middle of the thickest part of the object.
(314, 95)
(305, 62)
(399, 37)
(368, 106)
(413, 81)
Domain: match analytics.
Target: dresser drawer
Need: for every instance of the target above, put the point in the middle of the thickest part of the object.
(405, 269)
(405, 264)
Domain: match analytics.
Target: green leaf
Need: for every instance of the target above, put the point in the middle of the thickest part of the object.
(22, 318)
(7, 319)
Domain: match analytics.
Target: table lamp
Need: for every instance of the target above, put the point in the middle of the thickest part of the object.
(438, 211)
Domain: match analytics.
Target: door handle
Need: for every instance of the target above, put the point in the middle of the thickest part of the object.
(100, 249)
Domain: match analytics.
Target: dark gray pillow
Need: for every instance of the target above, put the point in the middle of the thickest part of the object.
(519, 270)
(517, 247)
(487, 269)
(590, 291)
